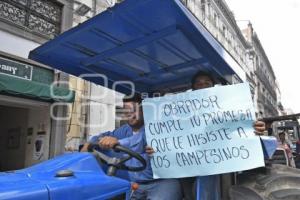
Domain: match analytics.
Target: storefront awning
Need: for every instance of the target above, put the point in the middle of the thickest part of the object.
(34, 90)
(156, 44)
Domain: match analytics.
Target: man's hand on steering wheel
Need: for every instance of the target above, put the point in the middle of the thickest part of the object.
(115, 163)
(108, 142)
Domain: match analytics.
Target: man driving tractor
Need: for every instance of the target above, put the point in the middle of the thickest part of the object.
(132, 135)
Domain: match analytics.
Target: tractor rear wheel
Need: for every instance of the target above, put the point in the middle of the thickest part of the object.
(277, 182)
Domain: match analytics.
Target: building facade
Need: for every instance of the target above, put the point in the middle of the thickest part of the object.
(217, 18)
(244, 46)
(266, 83)
(28, 134)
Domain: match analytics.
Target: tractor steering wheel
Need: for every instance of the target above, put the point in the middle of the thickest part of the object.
(118, 163)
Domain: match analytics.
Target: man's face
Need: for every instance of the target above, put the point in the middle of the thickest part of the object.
(202, 82)
(282, 137)
(133, 114)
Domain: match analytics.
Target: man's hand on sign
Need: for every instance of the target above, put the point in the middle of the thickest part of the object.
(108, 142)
(149, 150)
(259, 127)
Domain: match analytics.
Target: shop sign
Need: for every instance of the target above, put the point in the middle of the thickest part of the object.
(16, 69)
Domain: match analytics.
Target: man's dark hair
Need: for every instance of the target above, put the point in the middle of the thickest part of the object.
(281, 133)
(203, 73)
(133, 98)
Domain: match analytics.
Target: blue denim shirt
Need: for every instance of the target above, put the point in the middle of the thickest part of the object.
(135, 142)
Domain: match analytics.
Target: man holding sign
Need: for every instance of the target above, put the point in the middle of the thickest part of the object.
(201, 133)
(132, 135)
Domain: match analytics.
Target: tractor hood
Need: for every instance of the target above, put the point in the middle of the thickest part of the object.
(84, 179)
(17, 185)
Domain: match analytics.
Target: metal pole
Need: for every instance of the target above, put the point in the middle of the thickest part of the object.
(199, 189)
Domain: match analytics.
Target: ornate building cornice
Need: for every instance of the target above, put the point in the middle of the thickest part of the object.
(230, 17)
(258, 44)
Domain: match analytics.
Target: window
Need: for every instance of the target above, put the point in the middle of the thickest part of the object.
(38, 16)
(203, 6)
(215, 19)
(230, 38)
(224, 30)
(183, 1)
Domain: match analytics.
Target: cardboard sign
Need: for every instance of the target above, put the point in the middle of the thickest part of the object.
(203, 132)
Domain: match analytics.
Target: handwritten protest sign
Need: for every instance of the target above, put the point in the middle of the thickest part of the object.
(203, 132)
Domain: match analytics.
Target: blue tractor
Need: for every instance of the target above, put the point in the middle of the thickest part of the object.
(73, 176)
(158, 45)
(97, 175)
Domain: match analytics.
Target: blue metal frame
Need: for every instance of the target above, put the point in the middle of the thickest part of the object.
(158, 45)
(199, 189)
(132, 45)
